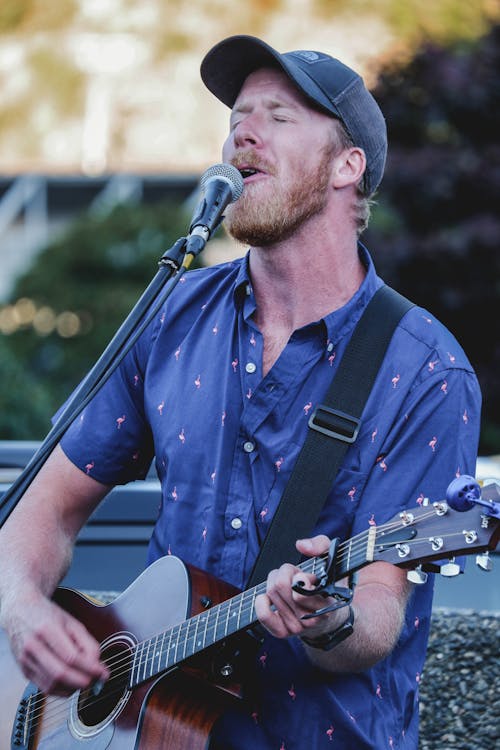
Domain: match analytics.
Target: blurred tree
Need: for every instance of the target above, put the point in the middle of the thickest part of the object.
(434, 234)
(68, 306)
(24, 401)
(36, 15)
(412, 21)
(436, 228)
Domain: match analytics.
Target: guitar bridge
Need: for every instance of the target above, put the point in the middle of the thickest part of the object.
(25, 724)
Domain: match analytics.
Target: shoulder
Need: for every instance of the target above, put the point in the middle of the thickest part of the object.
(422, 334)
(197, 292)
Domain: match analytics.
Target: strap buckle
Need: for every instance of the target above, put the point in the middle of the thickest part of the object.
(334, 423)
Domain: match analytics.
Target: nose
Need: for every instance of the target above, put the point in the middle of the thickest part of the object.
(247, 132)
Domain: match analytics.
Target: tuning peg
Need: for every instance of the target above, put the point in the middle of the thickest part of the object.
(417, 575)
(450, 569)
(484, 561)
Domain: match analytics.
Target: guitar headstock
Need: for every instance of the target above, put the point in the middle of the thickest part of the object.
(436, 531)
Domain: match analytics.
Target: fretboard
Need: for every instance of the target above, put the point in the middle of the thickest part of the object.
(168, 649)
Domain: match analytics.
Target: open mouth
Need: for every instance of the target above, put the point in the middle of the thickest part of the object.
(247, 172)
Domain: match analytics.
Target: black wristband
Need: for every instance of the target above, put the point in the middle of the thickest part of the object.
(327, 641)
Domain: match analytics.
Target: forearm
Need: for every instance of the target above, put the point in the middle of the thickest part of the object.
(34, 557)
(36, 541)
(378, 620)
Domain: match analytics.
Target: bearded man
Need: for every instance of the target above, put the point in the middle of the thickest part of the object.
(236, 359)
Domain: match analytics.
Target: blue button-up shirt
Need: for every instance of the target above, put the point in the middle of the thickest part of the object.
(225, 439)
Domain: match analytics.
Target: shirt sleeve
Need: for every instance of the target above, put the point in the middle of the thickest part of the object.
(111, 439)
(433, 440)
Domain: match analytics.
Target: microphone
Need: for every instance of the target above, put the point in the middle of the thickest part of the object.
(221, 184)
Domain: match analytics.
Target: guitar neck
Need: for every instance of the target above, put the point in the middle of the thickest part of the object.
(173, 646)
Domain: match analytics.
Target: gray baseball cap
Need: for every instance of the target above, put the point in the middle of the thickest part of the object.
(329, 84)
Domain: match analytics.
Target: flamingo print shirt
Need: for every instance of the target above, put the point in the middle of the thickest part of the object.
(224, 438)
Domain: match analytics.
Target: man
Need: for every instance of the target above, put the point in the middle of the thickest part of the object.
(219, 390)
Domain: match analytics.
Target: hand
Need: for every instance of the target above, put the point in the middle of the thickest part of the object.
(280, 609)
(54, 650)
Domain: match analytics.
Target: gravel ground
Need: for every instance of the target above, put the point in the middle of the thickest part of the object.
(460, 687)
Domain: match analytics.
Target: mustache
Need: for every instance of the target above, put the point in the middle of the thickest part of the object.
(252, 159)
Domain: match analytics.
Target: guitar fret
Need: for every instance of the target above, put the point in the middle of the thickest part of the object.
(169, 663)
(134, 674)
(145, 661)
(189, 640)
(166, 650)
(217, 612)
(230, 615)
(184, 626)
(181, 641)
(176, 636)
(161, 652)
(348, 561)
(207, 620)
(155, 655)
(195, 637)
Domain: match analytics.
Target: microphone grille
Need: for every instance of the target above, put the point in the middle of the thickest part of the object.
(227, 172)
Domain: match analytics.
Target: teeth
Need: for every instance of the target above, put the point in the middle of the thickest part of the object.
(247, 172)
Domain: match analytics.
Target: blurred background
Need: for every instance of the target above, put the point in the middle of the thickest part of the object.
(105, 128)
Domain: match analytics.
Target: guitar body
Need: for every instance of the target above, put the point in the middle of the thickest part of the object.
(12, 685)
(171, 644)
(174, 711)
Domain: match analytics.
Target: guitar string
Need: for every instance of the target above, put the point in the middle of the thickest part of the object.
(91, 701)
(249, 594)
(126, 657)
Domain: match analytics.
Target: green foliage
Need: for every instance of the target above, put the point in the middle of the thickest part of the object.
(82, 287)
(24, 402)
(442, 183)
(434, 235)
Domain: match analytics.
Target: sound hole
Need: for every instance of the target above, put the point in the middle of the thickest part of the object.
(94, 709)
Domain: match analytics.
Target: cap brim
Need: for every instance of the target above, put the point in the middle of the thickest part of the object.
(226, 66)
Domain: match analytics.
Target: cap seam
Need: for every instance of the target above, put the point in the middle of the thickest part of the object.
(341, 96)
(320, 87)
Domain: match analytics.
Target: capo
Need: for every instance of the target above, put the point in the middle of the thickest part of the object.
(326, 586)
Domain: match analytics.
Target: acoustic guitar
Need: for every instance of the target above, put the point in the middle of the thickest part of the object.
(172, 640)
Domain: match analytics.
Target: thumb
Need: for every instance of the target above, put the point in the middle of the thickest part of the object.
(315, 545)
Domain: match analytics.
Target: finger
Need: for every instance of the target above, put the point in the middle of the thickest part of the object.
(62, 658)
(281, 598)
(270, 617)
(50, 673)
(316, 545)
(88, 654)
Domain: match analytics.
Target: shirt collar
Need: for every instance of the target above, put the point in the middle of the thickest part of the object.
(243, 284)
(337, 323)
(341, 322)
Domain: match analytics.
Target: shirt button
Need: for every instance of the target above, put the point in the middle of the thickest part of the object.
(248, 447)
(329, 348)
(250, 367)
(236, 523)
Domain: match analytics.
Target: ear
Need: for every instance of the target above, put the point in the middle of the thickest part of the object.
(348, 167)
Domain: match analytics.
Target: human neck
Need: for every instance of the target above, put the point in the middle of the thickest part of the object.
(302, 279)
(299, 281)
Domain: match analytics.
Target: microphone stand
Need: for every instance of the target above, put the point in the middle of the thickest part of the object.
(172, 266)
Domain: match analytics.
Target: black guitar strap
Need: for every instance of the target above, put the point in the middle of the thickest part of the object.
(334, 425)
